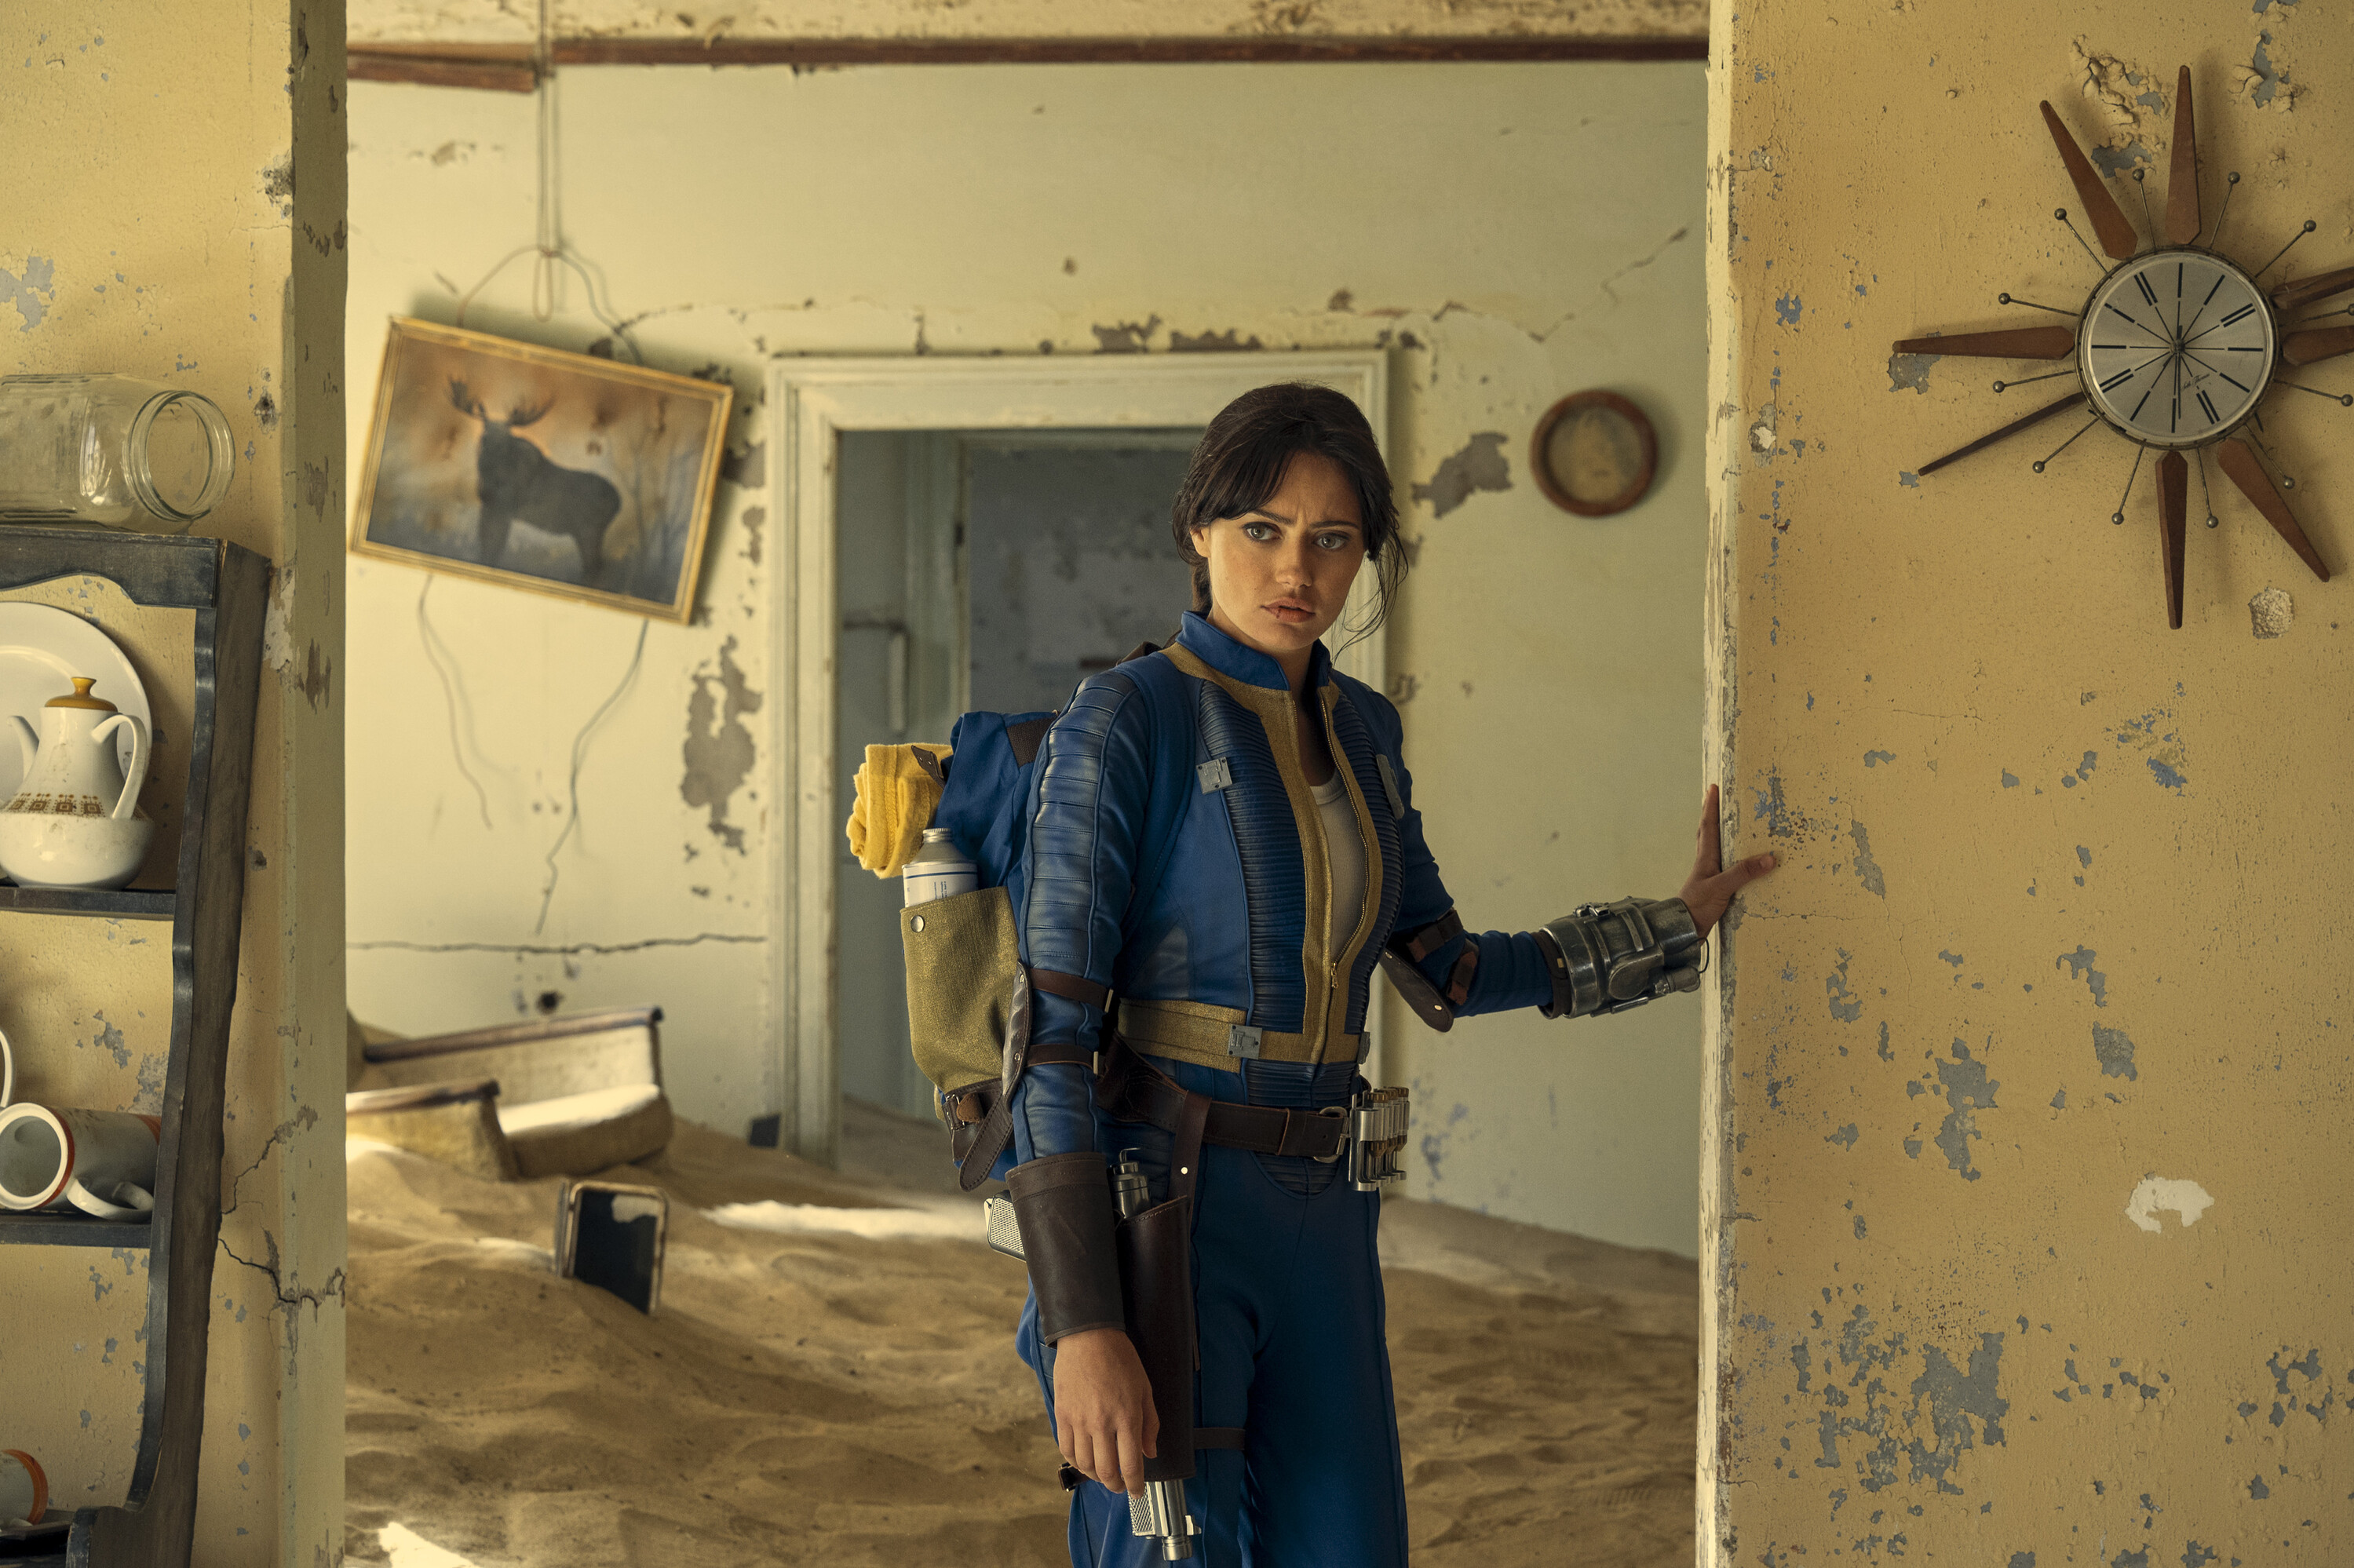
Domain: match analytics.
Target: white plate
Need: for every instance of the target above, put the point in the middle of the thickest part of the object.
(41, 649)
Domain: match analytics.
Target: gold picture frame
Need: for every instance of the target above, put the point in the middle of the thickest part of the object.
(604, 497)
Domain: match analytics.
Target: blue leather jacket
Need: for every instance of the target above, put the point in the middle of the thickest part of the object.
(1165, 861)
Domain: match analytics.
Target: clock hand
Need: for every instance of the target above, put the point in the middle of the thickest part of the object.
(2235, 317)
(2236, 460)
(2010, 430)
(2109, 224)
(2173, 515)
(2219, 370)
(2174, 416)
(2182, 194)
(2018, 342)
(2122, 376)
(2203, 304)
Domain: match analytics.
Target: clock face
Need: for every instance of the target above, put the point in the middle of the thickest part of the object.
(2176, 347)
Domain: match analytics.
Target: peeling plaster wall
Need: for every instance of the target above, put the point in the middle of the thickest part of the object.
(175, 212)
(1513, 232)
(391, 21)
(2029, 1066)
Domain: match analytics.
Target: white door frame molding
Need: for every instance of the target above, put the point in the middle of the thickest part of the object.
(811, 402)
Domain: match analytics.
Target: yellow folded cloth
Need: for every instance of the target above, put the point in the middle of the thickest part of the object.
(898, 788)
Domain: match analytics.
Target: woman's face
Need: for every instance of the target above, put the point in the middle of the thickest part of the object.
(1279, 574)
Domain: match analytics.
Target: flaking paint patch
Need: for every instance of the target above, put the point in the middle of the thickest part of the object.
(2157, 1193)
(31, 291)
(747, 469)
(2116, 1052)
(1479, 465)
(1967, 1091)
(719, 752)
(1847, 1008)
(1910, 372)
(1230, 340)
(2080, 967)
(1126, 337)
(2267, 86)
(2271, 613)
(2116, 161)
(1865, 866)
(1959, 1407)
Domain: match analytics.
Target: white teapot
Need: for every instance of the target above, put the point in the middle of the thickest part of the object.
(75, 819)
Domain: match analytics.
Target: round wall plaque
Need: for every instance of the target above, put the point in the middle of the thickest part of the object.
(1594, 453)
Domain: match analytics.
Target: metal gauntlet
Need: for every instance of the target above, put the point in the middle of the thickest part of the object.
(1607, 958)
(1063, 1203)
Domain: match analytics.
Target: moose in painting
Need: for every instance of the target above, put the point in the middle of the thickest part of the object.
(518, 483)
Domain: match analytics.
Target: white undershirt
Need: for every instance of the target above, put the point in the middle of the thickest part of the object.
(1345, 853)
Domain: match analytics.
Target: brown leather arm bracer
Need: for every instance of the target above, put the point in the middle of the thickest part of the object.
(1063, 1204)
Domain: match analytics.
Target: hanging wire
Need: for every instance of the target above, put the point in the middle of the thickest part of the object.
(436, 651)
(549, 248)
(572, 783)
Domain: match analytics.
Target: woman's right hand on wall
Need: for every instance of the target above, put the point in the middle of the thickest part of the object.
(1104, 1419)
(1709, 891)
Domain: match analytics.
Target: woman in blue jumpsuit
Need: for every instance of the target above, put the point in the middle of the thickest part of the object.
(1189, 852)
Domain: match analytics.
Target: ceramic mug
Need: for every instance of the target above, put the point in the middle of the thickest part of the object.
(102, 1162)
(24, 1490)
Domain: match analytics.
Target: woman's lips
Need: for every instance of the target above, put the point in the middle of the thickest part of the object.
(1291, 612)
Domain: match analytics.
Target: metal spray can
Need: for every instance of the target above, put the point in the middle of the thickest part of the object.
(939, 870)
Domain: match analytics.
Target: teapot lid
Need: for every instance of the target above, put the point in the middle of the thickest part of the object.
(80, 697)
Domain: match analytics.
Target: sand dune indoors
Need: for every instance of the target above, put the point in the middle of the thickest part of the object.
(841, 1392)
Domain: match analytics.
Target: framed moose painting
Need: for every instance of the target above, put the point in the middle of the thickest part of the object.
(557, 472)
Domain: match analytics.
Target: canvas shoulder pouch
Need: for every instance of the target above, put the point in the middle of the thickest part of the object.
(962, 969)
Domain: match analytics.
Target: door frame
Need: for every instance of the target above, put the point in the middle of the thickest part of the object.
(811, 403)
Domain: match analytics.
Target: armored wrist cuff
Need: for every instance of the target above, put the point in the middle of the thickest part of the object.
(1609, 958)
(1063, 1204)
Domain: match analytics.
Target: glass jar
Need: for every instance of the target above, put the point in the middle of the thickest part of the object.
(110, 449)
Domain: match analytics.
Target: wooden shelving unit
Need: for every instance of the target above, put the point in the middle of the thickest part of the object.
(227, 588)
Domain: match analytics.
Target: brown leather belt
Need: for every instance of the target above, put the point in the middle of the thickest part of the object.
(1131, 1089)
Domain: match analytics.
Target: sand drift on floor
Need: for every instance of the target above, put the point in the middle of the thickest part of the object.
(833, 1381)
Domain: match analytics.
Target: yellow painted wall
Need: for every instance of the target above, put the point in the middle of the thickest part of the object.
(1512, 233)
(175, 211)
(2062, 905)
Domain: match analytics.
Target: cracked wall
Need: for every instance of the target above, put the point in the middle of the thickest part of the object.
(1062, 210)
(215, 261)
(2023, 1065)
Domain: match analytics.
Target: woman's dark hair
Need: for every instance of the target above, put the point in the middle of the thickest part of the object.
(1240, 463)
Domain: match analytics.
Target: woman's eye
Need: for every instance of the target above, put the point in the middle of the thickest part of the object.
(1260, 532)
(1332, 541)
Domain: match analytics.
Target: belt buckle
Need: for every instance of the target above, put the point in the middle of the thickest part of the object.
(1339, 1113)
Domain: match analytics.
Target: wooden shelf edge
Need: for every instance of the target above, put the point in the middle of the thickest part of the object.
(120, 904)
(71, 1229)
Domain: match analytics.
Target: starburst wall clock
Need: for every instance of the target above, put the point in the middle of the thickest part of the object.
(2176, 348)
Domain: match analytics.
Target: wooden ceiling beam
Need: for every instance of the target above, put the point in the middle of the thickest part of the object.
(509, 68)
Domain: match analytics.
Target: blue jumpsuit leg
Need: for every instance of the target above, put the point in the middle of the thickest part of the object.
(1290, 1300)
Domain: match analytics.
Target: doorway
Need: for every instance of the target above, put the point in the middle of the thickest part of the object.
(818, 407)
(978, 569)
